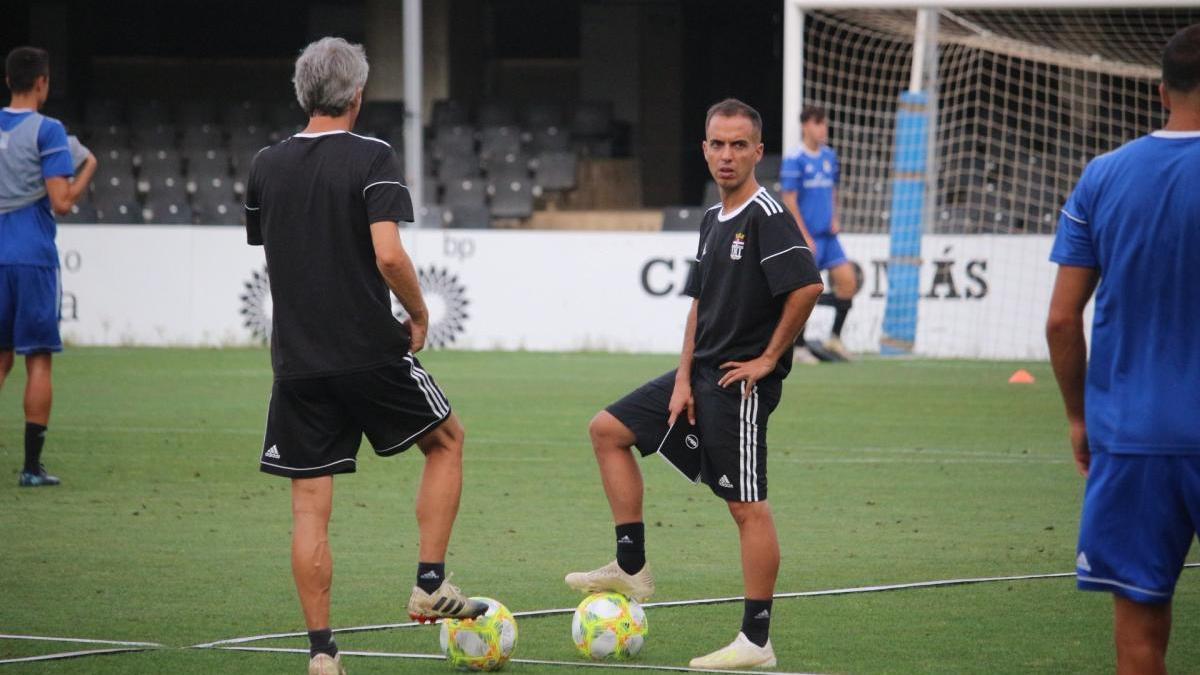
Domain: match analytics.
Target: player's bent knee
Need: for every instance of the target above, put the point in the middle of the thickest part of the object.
(748, 512)
(447, 438)
(607, 431)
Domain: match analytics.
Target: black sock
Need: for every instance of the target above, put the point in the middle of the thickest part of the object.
(321, 642)
(756, 621)
(631, 547)
(827, 300)
(430, 576)
(841, 309)
(35, 438)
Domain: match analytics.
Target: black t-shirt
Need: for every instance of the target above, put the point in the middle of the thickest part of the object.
(746, 264)
(310, 202)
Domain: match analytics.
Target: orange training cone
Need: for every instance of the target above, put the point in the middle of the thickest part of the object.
(1022, 376)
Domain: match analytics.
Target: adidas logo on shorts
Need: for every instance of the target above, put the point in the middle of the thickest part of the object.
(1082, 562)
(724, 482)
(272, 452)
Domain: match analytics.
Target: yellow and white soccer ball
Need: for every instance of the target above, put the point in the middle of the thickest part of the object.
(485, 643)
(609, 626)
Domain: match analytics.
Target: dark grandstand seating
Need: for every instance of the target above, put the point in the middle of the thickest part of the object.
(555, 170)
(468, 217)
(682, 218)
(511, 199)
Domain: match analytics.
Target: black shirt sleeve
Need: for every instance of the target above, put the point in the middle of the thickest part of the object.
(253, 207)
(693, 284)
(384, 191)
(786, 260)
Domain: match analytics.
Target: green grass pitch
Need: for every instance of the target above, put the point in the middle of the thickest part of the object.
(880, 472)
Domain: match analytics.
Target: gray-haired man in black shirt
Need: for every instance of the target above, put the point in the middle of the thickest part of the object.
(325, 205)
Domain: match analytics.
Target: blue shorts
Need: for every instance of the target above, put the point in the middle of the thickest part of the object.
(30, 298)
(1140, 514)
(829, 251)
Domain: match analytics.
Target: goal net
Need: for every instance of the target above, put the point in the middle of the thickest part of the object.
(1021, 101)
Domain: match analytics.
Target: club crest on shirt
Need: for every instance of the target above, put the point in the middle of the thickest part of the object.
(827, 166)
(739, 243)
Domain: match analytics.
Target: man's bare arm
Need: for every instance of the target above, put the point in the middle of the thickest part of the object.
(65, 193)
(1068, 350)
(397, 270)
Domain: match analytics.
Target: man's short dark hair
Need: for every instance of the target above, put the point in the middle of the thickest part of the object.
(731, 107)
(24, 66)
(1181, 61)
(812, 113)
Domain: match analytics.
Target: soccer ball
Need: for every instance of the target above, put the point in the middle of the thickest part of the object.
(609, 626)
(485, 643)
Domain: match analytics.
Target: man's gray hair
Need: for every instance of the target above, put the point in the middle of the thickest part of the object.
(328, 74)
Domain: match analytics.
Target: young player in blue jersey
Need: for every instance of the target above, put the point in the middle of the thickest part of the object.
(36, 172)
(1131, 232)
(810, 177)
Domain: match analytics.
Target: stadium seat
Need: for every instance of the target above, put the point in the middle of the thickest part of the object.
(213, 210)
(457, 167)
(158, 135)
(156, 157)
(209, 187)
(116, 157)
(456, 140)
(592, 119)
(113, 183)
(285, 113)
(498, 142)
(555, 170)
(513, 166)
(99, 112)
(432, 216)
(547, 139)
(379, 116)
(118, 212)
(511, 199)
(250, 138)
(468, 217)
(242, 114)
(682, 218)
(431, 190)
(210, 162)
(465, 193)
(166, 211)
(768, 168)
(148, 113)
(541, 115)
(448, 113)
(107, 134)
(82, 212)
(162, 186)
(202, 137)
(495, 114)
(195, 113)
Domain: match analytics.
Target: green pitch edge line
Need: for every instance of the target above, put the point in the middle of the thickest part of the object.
(677, 603)
(531, 662)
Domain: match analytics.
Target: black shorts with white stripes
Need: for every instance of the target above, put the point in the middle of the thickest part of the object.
(732, 428)
(315, 425)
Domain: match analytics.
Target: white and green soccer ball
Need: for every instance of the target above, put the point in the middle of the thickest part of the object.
(485, 643)
(609, 626)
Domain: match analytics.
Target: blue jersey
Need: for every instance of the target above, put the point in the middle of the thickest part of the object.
(813, 177)
(1135, 217)
(32, 149)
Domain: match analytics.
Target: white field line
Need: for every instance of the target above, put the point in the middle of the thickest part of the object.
(72, 655)
(46, 638)
(679, 603)
(533, 662)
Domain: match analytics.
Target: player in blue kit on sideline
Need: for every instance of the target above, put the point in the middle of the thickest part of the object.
(1131, 232)
(36, 172)
(810, 176)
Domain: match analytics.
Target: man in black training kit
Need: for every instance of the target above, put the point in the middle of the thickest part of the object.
(753, 286)
(325, 205)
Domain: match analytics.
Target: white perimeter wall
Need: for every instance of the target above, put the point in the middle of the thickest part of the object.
(982, 296)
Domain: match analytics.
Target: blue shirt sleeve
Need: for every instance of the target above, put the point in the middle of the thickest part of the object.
(54, 149)
(1073, 245)
(790, 174)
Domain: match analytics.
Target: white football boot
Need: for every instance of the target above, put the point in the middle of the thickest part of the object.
(611, 577)
(324, 664)
(447, 602)
(741, 653)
